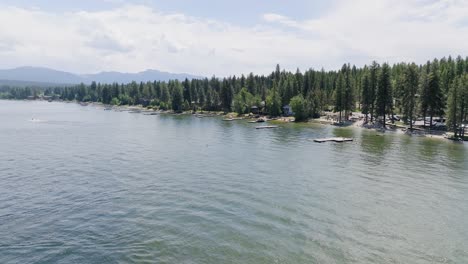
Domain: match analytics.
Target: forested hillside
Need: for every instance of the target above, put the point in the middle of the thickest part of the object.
(437, 88)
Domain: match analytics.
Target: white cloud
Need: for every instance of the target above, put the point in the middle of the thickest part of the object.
(414, 30)
(272, 17)
(135, 37)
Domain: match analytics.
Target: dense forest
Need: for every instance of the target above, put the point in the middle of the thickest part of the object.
(437, 88)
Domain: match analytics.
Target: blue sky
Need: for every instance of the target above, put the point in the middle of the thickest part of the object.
(242, 12)
(227, 37)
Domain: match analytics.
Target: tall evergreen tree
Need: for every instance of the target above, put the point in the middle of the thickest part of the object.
(373, 80)
(435, 104)
(177, 97)
(227, 94)
(251, 84)
(348, 95)
(187, 91)
(366, 96)
(410, 88)
(339, 95)
(384, 100)
(453, 106)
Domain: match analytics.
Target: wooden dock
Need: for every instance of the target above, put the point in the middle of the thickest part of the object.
(333, 139)
(265, 127)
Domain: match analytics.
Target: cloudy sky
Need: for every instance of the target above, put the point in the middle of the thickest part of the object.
(207, 37)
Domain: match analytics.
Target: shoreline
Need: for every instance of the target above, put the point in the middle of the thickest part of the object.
(442, 135)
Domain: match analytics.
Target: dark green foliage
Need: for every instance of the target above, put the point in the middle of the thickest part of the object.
(454, 106)
(177, 96)
(227, 95)
(409, 91)
(348, 92)
(339, 95)
(300, 107)
(187, 91)
(435, 103)
(458, 105)
(384, 99)
(373, 80)
(413, 91)
(366, 95)
(244, 100)
(273, 102)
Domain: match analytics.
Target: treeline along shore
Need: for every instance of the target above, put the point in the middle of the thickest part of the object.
(436, 90)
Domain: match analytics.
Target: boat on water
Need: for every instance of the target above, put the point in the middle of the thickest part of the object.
(83, 104)
(333, 139)
(232, 119)
(265, 127)
(258, 120)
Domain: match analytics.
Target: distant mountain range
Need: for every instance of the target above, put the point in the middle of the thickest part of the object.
(39, 76)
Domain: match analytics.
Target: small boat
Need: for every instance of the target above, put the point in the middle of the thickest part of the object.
(265, 127)
(334, 139)
(153, 113)
(228, 119)
(259, 120)
(107, 108)
(83, 104)
(136, 111)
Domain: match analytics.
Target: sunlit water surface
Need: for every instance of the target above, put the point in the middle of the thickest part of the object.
(83, 185)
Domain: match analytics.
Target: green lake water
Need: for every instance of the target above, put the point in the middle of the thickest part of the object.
(83, 185)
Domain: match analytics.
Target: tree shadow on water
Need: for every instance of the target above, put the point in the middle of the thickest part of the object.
(375, 146)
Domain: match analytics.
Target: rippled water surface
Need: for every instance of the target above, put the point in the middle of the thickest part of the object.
(83, 185)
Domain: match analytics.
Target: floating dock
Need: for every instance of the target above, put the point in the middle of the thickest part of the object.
(333, 139)
(265, 127)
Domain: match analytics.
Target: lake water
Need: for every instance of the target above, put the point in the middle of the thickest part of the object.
(83, 185)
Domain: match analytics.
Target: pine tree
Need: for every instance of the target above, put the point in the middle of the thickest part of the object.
(366, 96)
(435, 98)
(277, 73)
(384, 100)
(410, 88)
(463, 89)
(339, 95)
(177, 97)
(187, 92)
(227, 95)
(299, 81)
(251, 85)
(453, 106)
(373, 80)
(348, 94)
